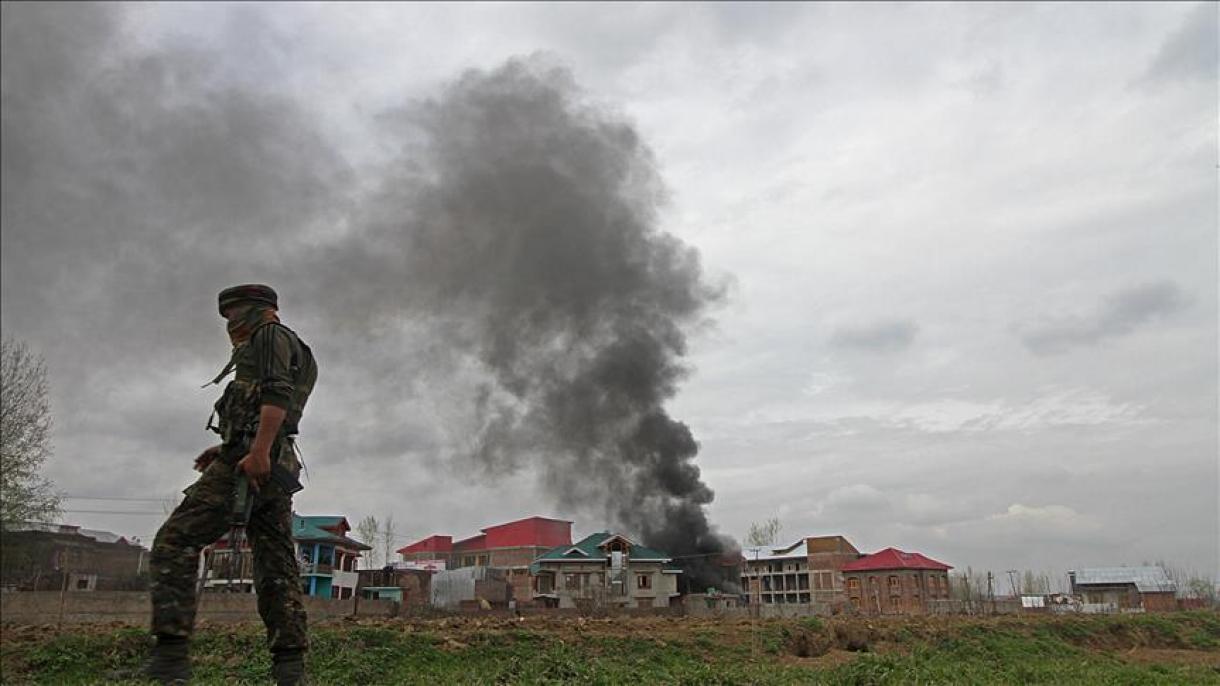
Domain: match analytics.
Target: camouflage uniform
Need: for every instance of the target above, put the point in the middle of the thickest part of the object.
(274, 368)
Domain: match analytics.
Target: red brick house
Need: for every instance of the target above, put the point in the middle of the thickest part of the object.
(895, 582)
(511, 546)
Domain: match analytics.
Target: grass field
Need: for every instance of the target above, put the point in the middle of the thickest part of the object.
(1181, 648)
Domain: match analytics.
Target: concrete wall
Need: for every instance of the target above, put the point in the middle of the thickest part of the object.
(700, 609)
(134, 608)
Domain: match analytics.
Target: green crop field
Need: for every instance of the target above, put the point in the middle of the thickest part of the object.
(1182, 648)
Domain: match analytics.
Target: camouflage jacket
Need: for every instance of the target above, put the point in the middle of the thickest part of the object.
(274, 367)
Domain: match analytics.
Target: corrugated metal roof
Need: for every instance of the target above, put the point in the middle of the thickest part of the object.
(1146, 579)
(770, 552)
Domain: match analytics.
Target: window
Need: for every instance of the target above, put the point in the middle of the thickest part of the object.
(895, 585)
(824, 580)
(571, 582)
(481, 561)
(643, 581)
(82, 584)
(853, 587)
(894, 602)
(468, 561)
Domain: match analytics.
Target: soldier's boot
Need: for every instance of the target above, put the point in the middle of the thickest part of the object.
(288, 668)
(170, 663)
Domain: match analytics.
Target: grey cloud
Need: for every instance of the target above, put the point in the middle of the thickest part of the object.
(887, 335)
(1117, 315)
(1191, 52)
(498, 296)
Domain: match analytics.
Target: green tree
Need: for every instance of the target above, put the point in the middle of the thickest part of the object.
(25, 437)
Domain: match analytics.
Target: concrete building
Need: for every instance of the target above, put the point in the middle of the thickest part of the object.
(1125, 589)
(604, 569)
(511, 547)
(51, 557)
(895, 582)
(808, 571)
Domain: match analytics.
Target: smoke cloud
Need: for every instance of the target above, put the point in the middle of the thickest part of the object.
(531, 226)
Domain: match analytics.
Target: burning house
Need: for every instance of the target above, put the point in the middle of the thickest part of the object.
(605, 570)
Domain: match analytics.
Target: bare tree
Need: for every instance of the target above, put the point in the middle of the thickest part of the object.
(387, 540)
(25, 437)
(367, 530)
(1035, 583)
(764, 533)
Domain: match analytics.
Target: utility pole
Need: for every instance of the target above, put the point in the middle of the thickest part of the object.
(1012, 582)
(991, 590)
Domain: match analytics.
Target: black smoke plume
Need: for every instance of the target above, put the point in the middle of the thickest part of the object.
(536, 222)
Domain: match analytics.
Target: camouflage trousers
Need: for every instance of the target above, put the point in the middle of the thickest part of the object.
(201, 519)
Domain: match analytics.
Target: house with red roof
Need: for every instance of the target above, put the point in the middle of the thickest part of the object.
(511, 546)
(893, 581)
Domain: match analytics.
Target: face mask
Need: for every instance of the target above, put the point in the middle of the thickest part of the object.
(241, 326)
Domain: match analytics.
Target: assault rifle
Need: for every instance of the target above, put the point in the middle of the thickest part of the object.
(244, 499)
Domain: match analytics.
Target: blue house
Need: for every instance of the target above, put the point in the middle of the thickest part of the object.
(327, 556)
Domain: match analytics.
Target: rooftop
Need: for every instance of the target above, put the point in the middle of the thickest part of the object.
(589, 549)
(893, 558)
(319, 528)
(1146, 579)
(770, 552)
(96, 534)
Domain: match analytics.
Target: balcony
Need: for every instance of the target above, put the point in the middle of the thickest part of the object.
(317, 569)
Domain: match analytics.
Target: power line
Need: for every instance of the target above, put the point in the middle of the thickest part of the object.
(116, 512)
(67, 496)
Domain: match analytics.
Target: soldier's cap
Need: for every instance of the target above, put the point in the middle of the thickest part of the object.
(247, 293)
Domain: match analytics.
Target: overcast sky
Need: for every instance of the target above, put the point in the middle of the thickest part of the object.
(968, 251)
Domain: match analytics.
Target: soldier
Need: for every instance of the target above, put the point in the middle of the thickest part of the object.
(257, 419)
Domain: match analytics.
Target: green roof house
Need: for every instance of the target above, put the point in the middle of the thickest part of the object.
(327, 556)
(604, 570)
